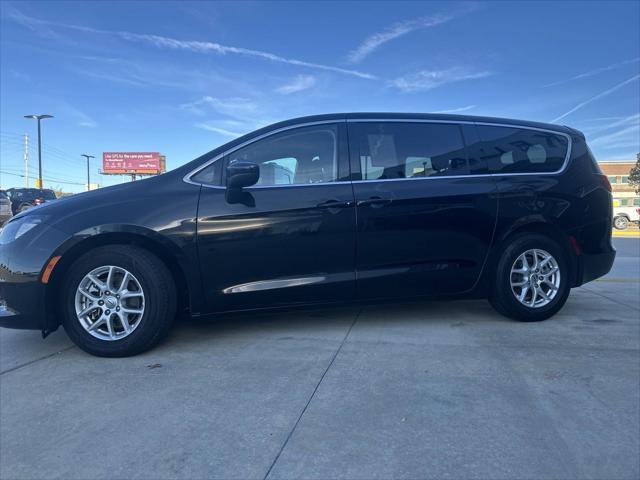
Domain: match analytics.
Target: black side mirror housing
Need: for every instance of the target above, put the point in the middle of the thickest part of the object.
(242, 174)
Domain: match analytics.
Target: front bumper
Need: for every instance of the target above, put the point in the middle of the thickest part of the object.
(21, 305)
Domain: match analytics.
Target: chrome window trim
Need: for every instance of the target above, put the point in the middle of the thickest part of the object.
(187, 177)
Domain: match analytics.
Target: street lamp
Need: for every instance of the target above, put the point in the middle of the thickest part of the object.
(88, 181)
(39, 117)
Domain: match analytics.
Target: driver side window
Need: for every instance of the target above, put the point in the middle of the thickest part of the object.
(301, 156)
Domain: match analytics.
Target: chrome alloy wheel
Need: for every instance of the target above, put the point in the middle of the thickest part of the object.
(535, 278)
(109, 302)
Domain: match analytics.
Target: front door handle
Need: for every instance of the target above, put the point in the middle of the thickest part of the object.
(335, 204)
(374, 202)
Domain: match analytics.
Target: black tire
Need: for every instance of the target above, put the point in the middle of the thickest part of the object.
(160, 300)
(503, 299)
(621, 222)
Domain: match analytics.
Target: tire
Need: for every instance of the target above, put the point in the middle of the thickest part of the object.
(149, 285)
(503, 294)
(621, 222)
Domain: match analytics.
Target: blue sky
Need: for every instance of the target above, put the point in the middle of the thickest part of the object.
(184, 77)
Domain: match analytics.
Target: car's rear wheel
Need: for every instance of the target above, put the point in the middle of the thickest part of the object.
(117, 301)
(621, 222)
(531, 279)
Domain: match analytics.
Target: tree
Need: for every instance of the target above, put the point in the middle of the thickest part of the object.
(634, 175)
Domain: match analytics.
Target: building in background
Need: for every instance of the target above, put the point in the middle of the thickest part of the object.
(617, 172)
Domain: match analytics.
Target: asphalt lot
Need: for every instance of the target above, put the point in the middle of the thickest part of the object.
(416, 390)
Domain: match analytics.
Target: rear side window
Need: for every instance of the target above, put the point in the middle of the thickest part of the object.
(388, 150)
(520, 150)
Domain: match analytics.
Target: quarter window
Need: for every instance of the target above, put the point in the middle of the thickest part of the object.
(407, 150)
(211, 174)
(306, 155)
(519, 150)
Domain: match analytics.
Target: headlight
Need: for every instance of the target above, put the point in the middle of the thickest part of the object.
(14, 229)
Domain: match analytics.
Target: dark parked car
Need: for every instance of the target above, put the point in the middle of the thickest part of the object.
(25, 198)
(5, 207)
(325, 209)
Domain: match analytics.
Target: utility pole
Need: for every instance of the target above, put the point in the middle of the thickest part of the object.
(88, 157)
(26, 160)
(39, 118)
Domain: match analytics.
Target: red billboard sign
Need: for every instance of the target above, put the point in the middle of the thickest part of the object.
(132, 162)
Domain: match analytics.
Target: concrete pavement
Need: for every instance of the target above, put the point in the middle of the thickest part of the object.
(414, 390)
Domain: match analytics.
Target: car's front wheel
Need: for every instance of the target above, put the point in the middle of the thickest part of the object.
(531, 279)
(118, 301)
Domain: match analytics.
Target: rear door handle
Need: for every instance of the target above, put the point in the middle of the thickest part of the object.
(374, 202)
(335, 204)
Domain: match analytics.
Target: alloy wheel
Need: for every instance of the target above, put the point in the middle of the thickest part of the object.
(535, 278)
(109, 302)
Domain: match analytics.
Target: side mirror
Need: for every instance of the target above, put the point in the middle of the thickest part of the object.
(242, 174)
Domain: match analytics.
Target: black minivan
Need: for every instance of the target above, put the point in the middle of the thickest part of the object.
(358, 207)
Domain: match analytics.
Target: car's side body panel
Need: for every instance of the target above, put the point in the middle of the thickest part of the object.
(265, 247)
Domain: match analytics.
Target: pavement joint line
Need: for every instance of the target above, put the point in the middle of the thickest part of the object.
(618, 280)
(617, 302)
(31, 362)
(295, 425)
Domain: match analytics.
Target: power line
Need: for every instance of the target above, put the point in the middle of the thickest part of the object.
(50, 180)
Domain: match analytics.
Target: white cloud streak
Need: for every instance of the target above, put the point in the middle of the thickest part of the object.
(597, 71)
(218, 130)
(458, 110)
(195, 46)
(596, 97)
(233, 107)
(429, 79)
(398, 29)
(628, 136)
(298, 84)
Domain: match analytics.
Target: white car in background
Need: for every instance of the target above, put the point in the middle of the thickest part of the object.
(623, 215)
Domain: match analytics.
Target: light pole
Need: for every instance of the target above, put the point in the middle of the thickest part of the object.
(39, 117)
(88, 157)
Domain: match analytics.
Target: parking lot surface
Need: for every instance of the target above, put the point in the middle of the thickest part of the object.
(412, 390)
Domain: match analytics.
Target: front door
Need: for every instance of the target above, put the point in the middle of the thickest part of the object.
(290, 238)
(426, 212)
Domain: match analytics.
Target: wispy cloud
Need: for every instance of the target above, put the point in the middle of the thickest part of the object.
(396, 30)
(596, 97)
(196, 46)
(429, 79)
(234, 107)
(458, 110)
(625, 137)
(221, 131)
(298, 84)
(81, 118)
(597, 71)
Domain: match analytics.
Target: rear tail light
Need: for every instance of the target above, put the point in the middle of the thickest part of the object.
(604, 180)
(638, 211)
